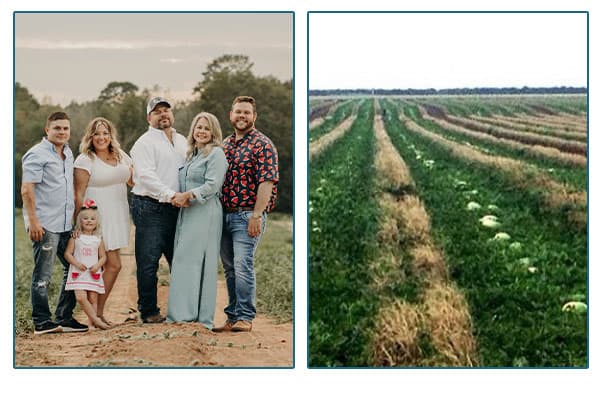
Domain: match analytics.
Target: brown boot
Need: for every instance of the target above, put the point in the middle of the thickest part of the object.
(225, 328)
(242, 326)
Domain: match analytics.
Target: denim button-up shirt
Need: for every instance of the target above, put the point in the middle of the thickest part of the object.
(53, 178)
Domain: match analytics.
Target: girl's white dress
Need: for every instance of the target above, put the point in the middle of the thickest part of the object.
(107, 187)
(86, 251)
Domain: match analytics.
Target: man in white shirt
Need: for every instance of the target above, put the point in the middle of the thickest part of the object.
(157, 156)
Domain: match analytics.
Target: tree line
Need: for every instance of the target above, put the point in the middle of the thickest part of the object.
(451, 91)
(124, 104)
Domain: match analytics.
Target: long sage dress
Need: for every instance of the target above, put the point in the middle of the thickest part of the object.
(193, 286)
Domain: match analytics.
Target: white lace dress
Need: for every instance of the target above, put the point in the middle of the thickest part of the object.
(108, 188)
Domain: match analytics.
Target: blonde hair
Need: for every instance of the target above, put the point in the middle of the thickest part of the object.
(98, 230)
(87, 145)
(215, 132)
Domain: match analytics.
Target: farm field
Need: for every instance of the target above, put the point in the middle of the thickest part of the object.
(449, 231)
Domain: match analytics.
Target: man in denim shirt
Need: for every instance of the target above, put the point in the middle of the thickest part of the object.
(48, 204)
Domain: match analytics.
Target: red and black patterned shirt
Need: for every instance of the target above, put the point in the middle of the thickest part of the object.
(252, 161)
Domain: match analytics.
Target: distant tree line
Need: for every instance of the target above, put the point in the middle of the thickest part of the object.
(453, 91)
(125, 105)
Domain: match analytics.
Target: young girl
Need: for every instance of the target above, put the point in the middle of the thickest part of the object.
(86, 255)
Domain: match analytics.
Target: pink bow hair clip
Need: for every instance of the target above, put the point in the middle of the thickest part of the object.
(89, 204)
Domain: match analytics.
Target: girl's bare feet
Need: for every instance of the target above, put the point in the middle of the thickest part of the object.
(98, 323)
(105, 320)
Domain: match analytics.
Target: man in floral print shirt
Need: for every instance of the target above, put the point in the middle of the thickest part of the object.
(249, 193)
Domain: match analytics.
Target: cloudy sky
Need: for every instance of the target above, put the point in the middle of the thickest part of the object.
(73, 56)
(446, 50)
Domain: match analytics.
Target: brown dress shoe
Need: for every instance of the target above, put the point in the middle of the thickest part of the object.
(242, 326)
(226, 327)
(154, 319)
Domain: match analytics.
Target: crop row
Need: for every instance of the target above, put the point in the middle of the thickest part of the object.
(554, 196)
(423, 319)
(569, 122)
(516, 262)
(317, 146)
(342, 112)
(545, 106)
(342, 227)
(565, 168)
(564, 145)
(320, 110)
(564, 131)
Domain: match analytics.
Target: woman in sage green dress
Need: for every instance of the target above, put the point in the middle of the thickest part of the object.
(193, 287)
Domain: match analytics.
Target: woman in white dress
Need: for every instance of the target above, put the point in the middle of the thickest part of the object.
(102, 171)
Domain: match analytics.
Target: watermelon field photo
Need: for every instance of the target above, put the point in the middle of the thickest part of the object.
(448, 230)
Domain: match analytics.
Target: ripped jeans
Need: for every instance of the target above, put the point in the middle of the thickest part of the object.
(44, 254)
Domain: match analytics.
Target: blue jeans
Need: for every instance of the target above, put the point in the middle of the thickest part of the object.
(155, 225)
(237, 255)
(44, 255)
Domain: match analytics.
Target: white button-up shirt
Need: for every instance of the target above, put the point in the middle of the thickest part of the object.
(156, 163)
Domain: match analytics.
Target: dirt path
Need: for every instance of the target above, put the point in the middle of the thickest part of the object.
(134, 344)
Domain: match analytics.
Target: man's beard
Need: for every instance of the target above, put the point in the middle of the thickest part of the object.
(247, 126)
(164, 123)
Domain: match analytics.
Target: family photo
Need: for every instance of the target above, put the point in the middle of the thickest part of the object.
(154, 191)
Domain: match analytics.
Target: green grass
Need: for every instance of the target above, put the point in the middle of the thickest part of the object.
(342, 112)
(517, 313)
(343, 214)
(274, 268)
(571, 175)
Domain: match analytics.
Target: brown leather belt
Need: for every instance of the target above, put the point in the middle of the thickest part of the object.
(237, 209)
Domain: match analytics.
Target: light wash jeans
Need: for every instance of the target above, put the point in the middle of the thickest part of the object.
(44, 254)
(237, 255)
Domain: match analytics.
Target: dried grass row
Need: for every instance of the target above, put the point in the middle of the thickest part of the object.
(400, 327)
(391, 169)
(529, 119)
(316, 122)
(450, 325)
(568, 146)
(555, 195)
(442, 320)
(561, 132)
(561, 119)
(535, 150)
(396, 338)
(325, 141)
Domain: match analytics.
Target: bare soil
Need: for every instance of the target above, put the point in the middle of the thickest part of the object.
(133, 344)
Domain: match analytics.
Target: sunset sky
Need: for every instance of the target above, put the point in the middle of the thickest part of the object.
(73, 56)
